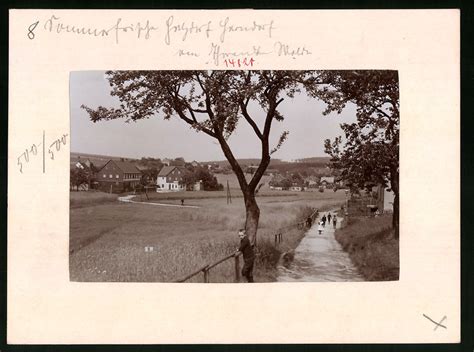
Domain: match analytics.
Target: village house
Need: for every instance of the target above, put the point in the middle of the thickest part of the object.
(366, 203)
(271, 172)
(118, 176)
(170, 179)
(81, 163)
(297, 187)
(194, 163)
(312, 181)
(327, 181)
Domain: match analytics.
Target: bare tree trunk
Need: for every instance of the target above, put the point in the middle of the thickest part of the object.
(396, 216)
(252, 216)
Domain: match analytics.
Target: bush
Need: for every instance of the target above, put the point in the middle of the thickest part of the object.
(267, 255)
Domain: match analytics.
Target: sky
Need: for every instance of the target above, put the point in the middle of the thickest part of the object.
(157, 138)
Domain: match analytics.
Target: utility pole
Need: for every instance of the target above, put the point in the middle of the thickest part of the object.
(229, 196)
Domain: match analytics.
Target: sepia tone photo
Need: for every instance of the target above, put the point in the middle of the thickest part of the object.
(234, 176)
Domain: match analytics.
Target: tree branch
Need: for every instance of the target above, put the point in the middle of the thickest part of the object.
(243, 107)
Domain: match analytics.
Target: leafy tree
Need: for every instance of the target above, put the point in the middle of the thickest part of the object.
(178, 162)
(189, 177)
(369, 154)
(78, 177)
(149, 176)
(195, 174)
(211, 102)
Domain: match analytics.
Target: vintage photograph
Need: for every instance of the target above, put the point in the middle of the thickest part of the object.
(223, 176)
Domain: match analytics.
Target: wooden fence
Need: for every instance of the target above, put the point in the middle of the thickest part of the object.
(205, 269)
(236, 255)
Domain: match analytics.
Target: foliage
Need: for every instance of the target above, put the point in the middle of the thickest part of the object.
(196, 174)
(369, 153)
(79, 177)
(149, 176)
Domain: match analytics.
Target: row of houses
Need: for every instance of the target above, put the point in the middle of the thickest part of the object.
(120, 175)
(123, 175)
(308, 183)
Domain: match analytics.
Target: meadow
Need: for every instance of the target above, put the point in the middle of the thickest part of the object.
(108, 239)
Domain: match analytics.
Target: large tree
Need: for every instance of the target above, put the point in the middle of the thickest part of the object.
(211, 102)
(369, 152)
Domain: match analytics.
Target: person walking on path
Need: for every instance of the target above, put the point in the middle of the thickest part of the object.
(334, 221)
(248, 254)
(320, 227)
(329, 218)
(309, 221)
(323, 219)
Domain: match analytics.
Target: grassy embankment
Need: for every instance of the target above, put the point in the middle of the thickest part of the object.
(372, 247)
(108, 240)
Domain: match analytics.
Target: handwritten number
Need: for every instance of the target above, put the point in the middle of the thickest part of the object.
(20, 163)
(239, 62)
(32, 150)
(31, 28)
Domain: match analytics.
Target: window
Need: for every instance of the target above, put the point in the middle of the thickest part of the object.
(104, 176)
(110, 176)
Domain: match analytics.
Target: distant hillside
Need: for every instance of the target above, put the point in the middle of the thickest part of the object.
(97, 159)
(316, 160)
(276, 163)
(247, 162)
(311, 166)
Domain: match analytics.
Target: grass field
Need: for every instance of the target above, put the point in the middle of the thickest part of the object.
(108, 240)
(79, 199)
(372, 247)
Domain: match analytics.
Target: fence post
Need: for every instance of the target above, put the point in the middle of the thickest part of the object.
(276, 239)
(280, 235)
(206, 275)
(237, 269)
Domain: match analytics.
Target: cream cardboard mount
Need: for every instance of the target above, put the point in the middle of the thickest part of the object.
(44, 307)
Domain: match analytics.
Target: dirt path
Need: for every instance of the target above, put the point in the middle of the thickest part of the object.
(128, 199)
(319, 257)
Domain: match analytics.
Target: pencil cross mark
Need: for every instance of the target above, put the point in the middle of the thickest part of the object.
(437, 324)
